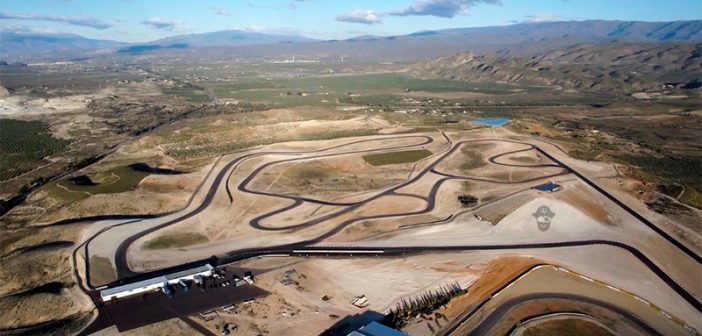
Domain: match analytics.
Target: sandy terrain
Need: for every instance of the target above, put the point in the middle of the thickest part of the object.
(304, 311)
(173, 327)
(30, 309)
(329, 179)
(24, 105)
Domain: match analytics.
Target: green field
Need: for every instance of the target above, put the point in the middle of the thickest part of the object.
(685, 171)
(113, 181)
(397, 157)
(175, 240)
(190, 95)
(24, 145)
(331, 90)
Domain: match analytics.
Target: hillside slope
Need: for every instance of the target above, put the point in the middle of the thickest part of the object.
(600, 67)
(633, 31)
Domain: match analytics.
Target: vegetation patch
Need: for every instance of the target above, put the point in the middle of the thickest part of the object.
(370, 89)
(467, 200)
(424, 306)
(113, 181)
(24, 145)
(143, 167)
(471, 159)
(524, 159)
(175, 240)
(397, 157)
(67, 196)
(189, 95)
(685, 171)
(308, 173)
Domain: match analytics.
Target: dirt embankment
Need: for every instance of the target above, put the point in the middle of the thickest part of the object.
(495, 274)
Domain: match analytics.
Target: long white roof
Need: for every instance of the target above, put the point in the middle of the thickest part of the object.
(191, 271)
(156, 281)
(133, 285)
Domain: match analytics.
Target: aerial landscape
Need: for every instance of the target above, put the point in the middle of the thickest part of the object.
(309, 167)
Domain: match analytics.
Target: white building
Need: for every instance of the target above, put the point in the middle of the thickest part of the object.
(156, 283)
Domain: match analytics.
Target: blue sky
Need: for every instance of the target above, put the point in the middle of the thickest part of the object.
(142, 20)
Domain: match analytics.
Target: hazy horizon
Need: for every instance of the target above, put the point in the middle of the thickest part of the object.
(115, 20)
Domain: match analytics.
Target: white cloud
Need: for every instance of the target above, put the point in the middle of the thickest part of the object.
(268, 30)
(440, 8)
(360, 16)
(21, 29)
(544, 17)
(76, 21)
(165, 24)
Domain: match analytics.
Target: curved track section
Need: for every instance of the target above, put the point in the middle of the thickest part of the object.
(121, 263)
(498, 314)
(430, 198)
(226, 172)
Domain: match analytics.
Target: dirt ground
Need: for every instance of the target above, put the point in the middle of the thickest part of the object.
(331, 178)
(173, 327)
(301, 308)
(22, 310)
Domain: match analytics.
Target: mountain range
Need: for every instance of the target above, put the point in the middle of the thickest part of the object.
(521, 38)
(24, 43)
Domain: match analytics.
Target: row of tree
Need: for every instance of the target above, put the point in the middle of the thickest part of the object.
(426, 303)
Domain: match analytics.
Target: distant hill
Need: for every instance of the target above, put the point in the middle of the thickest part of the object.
(227, 38)
(142, 48)
(19, 43)
(633, 31)
(511, 40)
(600, 67)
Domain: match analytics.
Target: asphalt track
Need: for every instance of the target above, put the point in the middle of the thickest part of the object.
(125, 273)
(121, 262)
(503, 310)
(535, 319)
(495, 316)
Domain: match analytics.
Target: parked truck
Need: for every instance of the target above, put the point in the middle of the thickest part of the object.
(167, 290)
(184, 284)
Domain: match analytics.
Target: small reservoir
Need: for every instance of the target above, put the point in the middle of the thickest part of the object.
(492, 122)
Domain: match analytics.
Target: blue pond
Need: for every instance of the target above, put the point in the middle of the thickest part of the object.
(491, 122)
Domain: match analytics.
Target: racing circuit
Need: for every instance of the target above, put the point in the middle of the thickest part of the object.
(232, 182)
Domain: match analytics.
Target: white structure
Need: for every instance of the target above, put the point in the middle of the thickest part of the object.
(156, 283)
